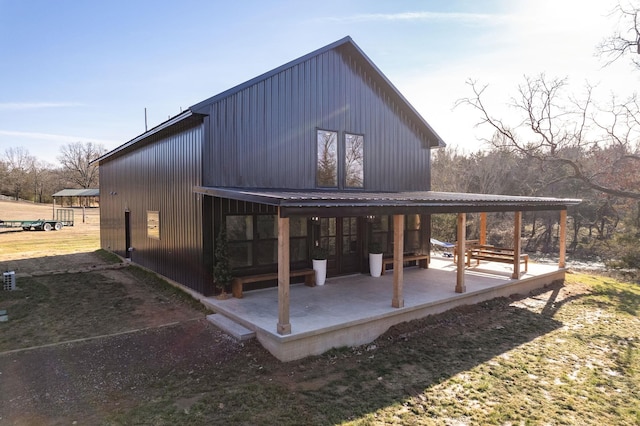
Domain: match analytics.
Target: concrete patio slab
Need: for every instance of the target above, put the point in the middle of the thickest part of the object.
(354, 310)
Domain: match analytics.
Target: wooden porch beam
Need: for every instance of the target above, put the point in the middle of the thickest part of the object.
(483, 229)
(517, 244)
(284, 324)
(462, 255)
(563, 239)
(398, 261)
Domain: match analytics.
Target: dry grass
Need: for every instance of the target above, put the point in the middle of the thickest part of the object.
(16, 244)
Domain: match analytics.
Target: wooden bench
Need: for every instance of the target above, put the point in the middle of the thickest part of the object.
(237, 283)
(494, 254)
(467, 245)
(423, 261)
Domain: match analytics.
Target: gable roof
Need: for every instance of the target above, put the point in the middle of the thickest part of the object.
(346, 45)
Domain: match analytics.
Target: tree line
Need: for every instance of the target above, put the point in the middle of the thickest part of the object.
(603, 227)
(24, 177)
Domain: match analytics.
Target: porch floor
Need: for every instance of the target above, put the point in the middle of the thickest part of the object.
(355, 309)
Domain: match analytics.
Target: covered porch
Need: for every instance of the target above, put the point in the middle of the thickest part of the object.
(356, 309)
(293, 322)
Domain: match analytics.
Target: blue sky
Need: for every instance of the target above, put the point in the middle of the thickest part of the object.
(85, 70)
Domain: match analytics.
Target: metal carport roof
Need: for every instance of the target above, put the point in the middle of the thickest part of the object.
(89, 192)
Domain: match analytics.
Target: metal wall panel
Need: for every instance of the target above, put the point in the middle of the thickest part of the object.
(159, 176)
(264, 136)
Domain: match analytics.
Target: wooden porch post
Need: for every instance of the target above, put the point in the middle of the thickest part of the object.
(563, 239)
(483, 228)
(284, 324)
(398, 260)
(462, 255)
(517, 244)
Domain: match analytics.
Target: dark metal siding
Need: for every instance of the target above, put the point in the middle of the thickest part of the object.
(263, 136)
(159, 176)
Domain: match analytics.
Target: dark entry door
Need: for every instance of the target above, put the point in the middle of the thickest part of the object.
(340, 235)
(127, 234)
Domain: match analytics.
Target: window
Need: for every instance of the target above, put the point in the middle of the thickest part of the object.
(253, 240)
(266, 240)
(354, 155)
(412, 233)
(153, 224)
(298, 242)
(240, 240)
(339, 166)
(327, 171)
(380, 232)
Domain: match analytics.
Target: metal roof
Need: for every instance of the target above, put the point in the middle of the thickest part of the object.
(325, 203)
(346, 44)
(89, 192)
(183, 116)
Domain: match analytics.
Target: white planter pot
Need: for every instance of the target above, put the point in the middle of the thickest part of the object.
(375, 264)
(320, 266)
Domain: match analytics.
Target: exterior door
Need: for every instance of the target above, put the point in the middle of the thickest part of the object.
(341, 237)
(127, 234)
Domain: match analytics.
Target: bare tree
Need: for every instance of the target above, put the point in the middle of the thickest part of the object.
(75, 159)
(19, 167)
(44, 181)
(627, 39)
(598, 146)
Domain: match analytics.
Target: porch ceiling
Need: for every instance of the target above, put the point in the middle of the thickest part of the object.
(347, 203)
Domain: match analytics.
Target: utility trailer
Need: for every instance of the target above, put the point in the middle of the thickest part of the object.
(33, 225)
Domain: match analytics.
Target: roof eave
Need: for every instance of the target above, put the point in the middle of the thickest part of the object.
(160, 127)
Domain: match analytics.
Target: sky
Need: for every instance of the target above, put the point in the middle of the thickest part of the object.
(85, 70)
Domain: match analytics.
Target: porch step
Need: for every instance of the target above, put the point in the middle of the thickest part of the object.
(231, 327)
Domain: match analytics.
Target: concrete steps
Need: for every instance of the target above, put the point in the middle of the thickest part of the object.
(232, 328)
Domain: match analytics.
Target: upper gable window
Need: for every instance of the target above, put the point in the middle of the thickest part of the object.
(354, 155)
(327, 166)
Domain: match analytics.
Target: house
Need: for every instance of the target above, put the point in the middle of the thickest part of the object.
(322, 151)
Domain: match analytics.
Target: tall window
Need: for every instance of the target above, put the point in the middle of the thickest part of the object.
(380, 233)
(327, 174)
(240, 240)
(354, 155)
(412, 233)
